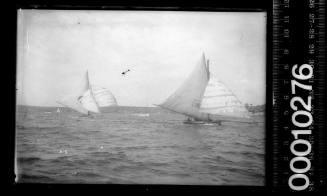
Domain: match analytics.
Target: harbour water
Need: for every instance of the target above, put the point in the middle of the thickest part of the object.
(134, 145)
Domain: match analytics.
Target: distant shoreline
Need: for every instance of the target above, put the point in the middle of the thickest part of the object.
(250, 108)
(256, 108)
(33, 106)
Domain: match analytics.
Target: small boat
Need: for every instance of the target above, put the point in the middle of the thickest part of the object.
(88, 98)
(201, 122)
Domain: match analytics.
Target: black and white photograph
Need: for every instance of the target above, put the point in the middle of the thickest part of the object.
(141, 97)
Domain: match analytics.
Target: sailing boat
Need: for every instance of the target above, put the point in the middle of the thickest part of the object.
(203, 98)
(89, 98)
(58, 110)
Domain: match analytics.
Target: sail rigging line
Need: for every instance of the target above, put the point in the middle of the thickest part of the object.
(230, 91)
(167, 108)
(216, 104)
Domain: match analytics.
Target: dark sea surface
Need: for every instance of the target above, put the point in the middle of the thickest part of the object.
(131, 145)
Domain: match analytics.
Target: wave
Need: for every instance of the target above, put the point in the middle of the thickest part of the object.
(36, 127)
(221, 159)
(248, 154)
(28, 160)
(247, 172)
(253, 154)
(26, 178)
(99, 157)
(238, 158)
(247, 144)
(131, 148)
(21, 127)
(131, 166)
(87, 174)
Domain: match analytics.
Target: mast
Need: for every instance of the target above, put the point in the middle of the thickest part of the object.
(208, 69)
(86, 98)
(91, 90)
(187, 98)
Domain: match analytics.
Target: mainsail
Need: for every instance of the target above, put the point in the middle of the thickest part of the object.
(205, 98)
(73, 104)
(187, 98)
(219, 100)
(82, 99)
(88, 102)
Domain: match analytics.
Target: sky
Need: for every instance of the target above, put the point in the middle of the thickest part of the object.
(56, 47)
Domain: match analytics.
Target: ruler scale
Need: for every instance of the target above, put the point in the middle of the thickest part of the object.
(298, 59)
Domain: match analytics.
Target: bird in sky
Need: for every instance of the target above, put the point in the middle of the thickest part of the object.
(124, 73)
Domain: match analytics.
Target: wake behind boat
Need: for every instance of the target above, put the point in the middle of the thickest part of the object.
(141, 114)
(205, 99)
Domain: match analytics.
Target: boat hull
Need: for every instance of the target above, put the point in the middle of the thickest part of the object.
(201, 123)
(209, 118)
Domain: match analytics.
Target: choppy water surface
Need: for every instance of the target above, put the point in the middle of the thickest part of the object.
(135, 145)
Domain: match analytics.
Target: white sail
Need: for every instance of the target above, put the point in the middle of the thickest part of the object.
(103, 96)
(219, 100)
(81, 99)
(187, 98)
(73, 104)
(84, 86)
(88, 102)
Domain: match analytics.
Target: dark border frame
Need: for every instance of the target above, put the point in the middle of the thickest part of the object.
(226, 6)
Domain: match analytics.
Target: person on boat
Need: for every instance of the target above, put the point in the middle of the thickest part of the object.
(79, 98)
(89, 114)
(209, 119)
(213, 121)
(190, 119)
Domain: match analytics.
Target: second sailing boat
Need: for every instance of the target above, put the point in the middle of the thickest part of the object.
(89, 98)
(203, 98)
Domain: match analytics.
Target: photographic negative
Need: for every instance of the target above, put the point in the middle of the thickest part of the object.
(141, 97)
